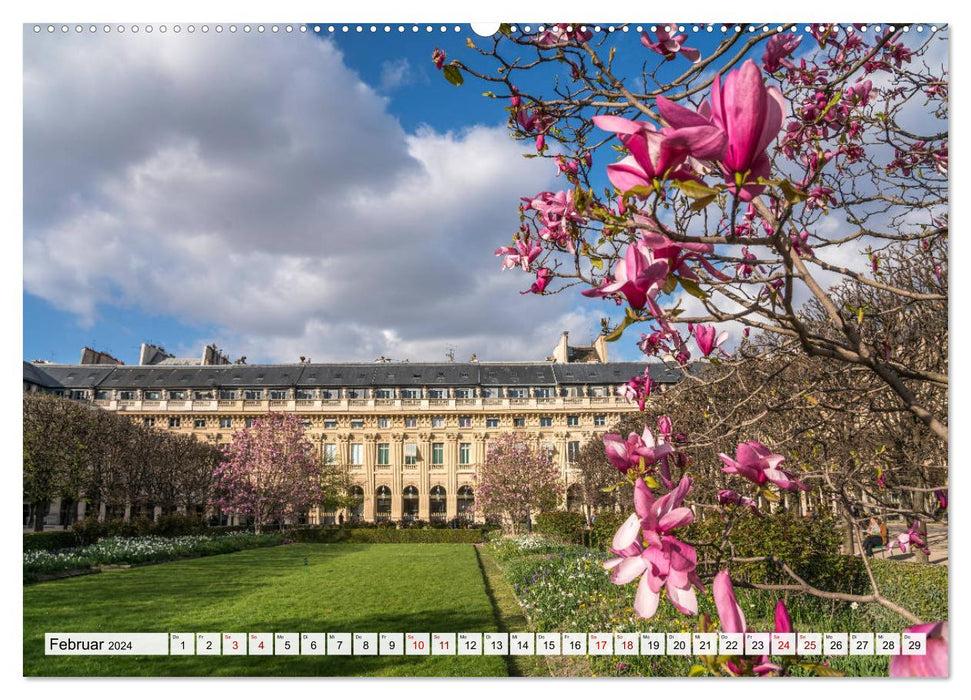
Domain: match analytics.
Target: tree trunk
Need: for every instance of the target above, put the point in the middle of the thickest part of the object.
(849, 540)
(41, 509)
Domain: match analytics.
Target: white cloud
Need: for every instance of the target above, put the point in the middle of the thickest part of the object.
(257, 184)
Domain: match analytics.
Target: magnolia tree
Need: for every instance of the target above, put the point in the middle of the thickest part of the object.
(515, 481)
(764, 182)
(269, 472)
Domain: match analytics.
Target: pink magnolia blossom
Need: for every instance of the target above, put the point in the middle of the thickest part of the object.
(728, 497)
(556, 214)
(543, 276)
(729, 611)
(941, 495)
(562, 33)
(707, 341)
(783, 624)
(665, 563)
(934, 662)
(756, 463)
(521, 254)
(438, 58)
(750, 115)
(778, 50)
(670, 46)
(677, 254)
(910, 538)
(625, 454)
(637, 388)
(568, 167)
(638, 277)
(658, 155)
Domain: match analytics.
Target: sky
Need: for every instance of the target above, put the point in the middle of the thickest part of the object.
(326, 196)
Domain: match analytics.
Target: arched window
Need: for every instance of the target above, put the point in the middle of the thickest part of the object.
(383, 498)
(410, 500)
(438, 503)
(357, 510)
(466, 499)
(574, 498)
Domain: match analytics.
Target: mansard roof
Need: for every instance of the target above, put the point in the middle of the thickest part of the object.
(340, 375)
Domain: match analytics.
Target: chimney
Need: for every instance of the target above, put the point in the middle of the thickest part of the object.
(95, 357)
(561, 353)
(600, 347)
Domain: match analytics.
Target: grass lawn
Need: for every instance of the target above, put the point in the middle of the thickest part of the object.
(345, 588)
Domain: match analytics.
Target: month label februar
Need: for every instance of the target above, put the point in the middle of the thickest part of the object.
(106, 644)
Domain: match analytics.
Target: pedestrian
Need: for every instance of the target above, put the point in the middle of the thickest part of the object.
(873, 537)
(340, 520)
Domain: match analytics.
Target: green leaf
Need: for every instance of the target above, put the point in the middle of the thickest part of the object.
(792, 193)
(695, 190)
(692, 288)
(608, 489)
(597, 263)
(640, 191)
(453, 75)
(702, 202)
(770, 496)
(505, 28)
(697, 670)
(651, 482)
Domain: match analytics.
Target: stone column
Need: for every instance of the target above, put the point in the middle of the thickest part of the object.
(398, 458)
(451, 484)
(424, 461)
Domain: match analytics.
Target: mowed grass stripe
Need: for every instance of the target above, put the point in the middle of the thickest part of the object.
(342, 588)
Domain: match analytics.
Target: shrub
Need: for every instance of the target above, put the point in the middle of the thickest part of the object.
(524, 545)
(562, 525)
(921, 588)
(811, 548)
(604, 527)
(57, 539)
(138, 550)
(384, 535)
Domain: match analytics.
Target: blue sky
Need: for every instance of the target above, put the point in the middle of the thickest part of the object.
(280, 196)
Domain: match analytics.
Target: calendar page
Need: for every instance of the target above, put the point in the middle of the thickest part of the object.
(537, 349)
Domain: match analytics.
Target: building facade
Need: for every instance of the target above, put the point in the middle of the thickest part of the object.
(411, 435)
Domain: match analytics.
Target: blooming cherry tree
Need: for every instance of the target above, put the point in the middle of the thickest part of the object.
(516, 480)
(269, 472)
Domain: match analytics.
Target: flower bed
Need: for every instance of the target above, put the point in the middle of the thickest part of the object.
(137, 550)
(566, 589)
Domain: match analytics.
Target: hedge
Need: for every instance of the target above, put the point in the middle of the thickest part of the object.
(55, 539)
(90, 530)
(387, 536)
(563, 525)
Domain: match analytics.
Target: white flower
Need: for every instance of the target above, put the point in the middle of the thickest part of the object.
(854, 605)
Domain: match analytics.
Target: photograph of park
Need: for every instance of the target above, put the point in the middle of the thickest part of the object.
(447, 350)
